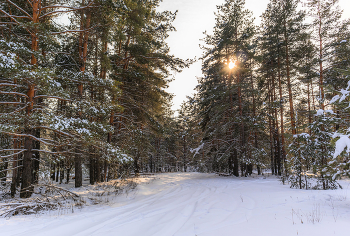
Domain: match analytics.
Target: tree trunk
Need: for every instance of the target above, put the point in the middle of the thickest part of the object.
(235, 163)
(289, 85)
(36, 159)
(184, 156)
(321, 59)
(14, 167)
(83, 49)
(27, 187)
(62, 172)
(98, 170)
(78, 169)
(281, 111)
(92, 171)
(57, 172)
(68, 173)
(53, 169)
(27, 180)
(271, 130)
(136, 166)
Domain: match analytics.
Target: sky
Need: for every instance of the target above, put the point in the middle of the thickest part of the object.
(193, 18)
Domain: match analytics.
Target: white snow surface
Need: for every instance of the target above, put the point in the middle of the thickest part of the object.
(190, 204)
(343, 143)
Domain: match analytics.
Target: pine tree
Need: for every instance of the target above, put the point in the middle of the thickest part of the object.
(225, 92)
(42, 114)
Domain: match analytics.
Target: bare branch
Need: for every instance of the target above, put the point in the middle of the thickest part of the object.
(12, 168)
(16, 21)
(31, 136)
(8, 84)
(14, 93)
(21, 17)
(73, 31)
(29, 16)
(55, 130)
(44, 151)
(64, 11)
(14, 154)
(8, 15)
(30, 3)
(55, 97)
(12, 23)
(68, 7)
(13, 103)
(10, 150)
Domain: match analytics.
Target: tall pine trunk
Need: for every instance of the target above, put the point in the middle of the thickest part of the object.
(289, 84)
(27, 178)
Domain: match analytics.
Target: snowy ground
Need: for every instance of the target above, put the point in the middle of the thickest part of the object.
(192, 204)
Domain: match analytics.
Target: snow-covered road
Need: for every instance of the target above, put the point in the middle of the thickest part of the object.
(191, 204)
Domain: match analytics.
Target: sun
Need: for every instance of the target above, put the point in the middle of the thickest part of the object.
(231, 65)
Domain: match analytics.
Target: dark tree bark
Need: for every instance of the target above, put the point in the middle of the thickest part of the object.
(57, 172)
(27, 187)
(235, 163)
(68, 174)
(78, 169)
(92, 171)
(61, 172)
(36, 159)
(53, 170)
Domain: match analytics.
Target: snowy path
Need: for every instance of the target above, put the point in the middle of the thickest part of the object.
(204, 205)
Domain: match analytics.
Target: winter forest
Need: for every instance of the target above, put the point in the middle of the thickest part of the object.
(84, 106)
